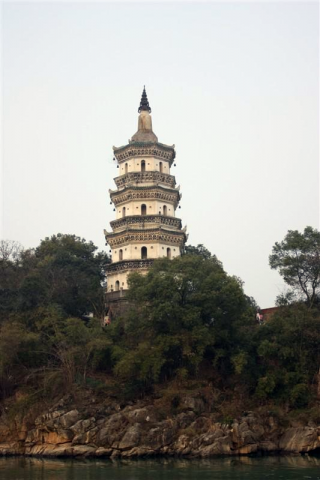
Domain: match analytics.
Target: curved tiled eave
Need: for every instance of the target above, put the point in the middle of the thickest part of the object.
(144, 149)
(145, 193)
(133, 236)
(130, 178)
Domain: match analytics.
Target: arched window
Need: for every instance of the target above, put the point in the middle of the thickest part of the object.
(169, 252)
(144, 253)
(124, 211)
(165, 210)
(117, 286)
(143, 166)
(120, 255)
(126, 168)
(161, 167)
(143, 209)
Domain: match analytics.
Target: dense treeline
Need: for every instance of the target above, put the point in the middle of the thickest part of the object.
(190, 325)
(47, 337)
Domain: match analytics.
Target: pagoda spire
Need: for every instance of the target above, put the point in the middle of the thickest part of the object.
(144, 133)
(144, 104)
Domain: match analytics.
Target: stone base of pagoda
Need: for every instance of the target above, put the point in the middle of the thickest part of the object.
(116, 304)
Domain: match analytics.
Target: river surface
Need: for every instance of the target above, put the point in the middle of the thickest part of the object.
(247, 468)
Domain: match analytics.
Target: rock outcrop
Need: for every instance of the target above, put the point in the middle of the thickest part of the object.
(138, 430)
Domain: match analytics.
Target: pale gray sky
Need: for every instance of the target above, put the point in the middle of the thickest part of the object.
(235, 86)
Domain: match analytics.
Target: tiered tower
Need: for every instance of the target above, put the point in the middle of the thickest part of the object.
(145, 202)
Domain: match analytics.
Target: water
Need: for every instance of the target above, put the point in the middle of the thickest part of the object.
(247, 468)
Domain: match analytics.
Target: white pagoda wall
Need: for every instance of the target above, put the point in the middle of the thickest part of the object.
(121, 278)
(152, 164)
(133, 207)
(155, 250)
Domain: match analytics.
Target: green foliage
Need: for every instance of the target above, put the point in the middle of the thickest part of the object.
(64, 270)
(183, 311)
(190, 326)
(73, 273)
(300, 395)
(266, 386)
(240, 361)
(16, 347)
(288, 348)
(297, 258)
(46, 337)
(74, 345)
(285, 299)
(200, 250)
(10, 275)
(188, 314)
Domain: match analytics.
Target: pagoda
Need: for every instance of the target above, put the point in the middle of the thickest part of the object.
(145, 201)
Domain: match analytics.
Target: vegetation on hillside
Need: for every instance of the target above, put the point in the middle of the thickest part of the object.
(190, 325)
(297, 258)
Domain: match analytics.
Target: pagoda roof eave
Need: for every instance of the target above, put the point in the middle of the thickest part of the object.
(114, 193)
(178, 233)
(144, 144)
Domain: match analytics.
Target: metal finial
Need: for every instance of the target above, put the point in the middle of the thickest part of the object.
(144, 104)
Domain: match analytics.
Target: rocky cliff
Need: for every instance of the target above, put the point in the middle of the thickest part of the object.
(136, 430)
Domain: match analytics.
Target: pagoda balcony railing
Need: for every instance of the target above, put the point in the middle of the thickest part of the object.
(115, 295)
(141, 221)
(125, 265)
(145, 177)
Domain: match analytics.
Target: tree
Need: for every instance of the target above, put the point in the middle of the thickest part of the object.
(10, 250)
(200, 250)
(47, 337)
(72, 344)
(17, 346)
(10, 274)
(52, 353)
(297, 258)
(184, 312)
(288, 347)
(64, 270)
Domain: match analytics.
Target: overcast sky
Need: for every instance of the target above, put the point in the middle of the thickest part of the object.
(235, 86)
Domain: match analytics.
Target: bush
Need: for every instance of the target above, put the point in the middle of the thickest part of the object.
(300, 395)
